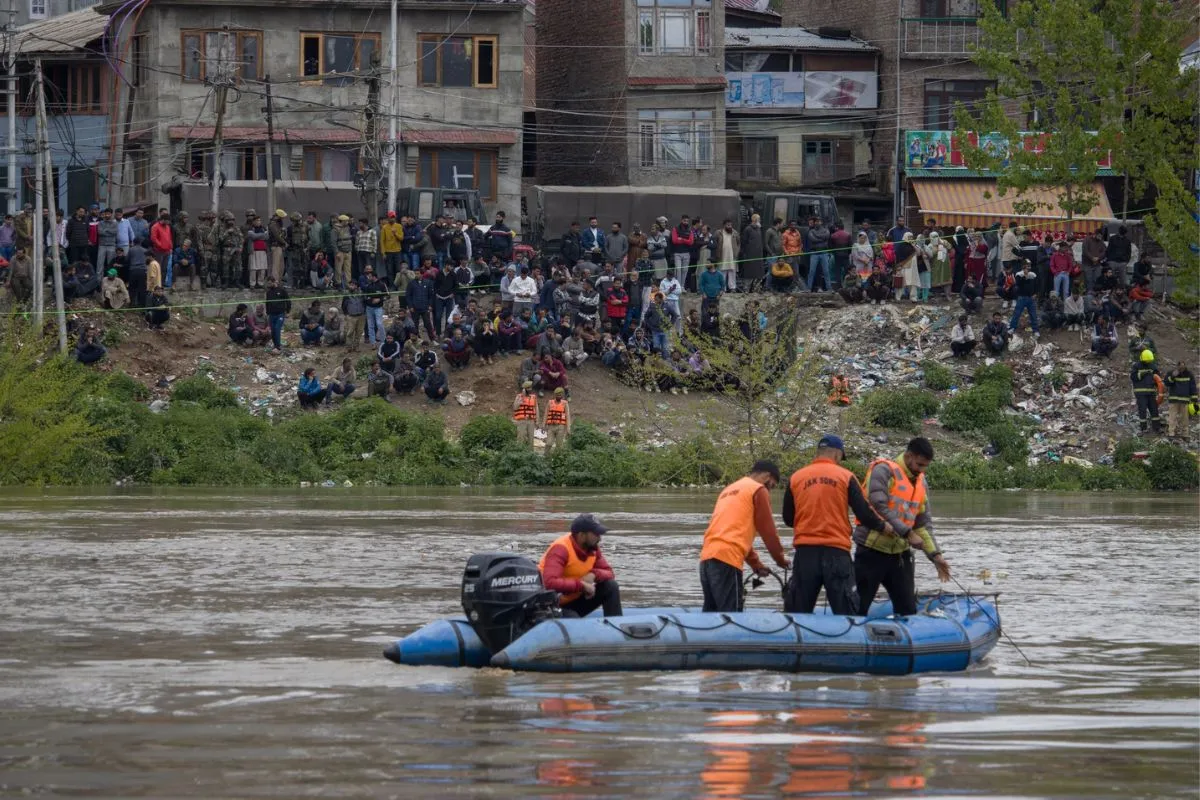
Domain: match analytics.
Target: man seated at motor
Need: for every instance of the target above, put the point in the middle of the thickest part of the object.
(574, 567)
(962, 337)
(996, 335)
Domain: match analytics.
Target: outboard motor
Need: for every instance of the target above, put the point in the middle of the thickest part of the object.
(503, 597)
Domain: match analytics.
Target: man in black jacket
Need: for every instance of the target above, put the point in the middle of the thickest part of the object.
(500, 238)
(419, 297)
(1119, 253)
(278, 304)
(572, 245)
(375, 294)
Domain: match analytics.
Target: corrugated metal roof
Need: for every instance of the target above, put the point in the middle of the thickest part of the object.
(62, 34)
(959, 173)
(791, 38)
(753, 6)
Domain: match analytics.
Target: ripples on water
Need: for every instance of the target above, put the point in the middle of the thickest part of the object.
(215, 645)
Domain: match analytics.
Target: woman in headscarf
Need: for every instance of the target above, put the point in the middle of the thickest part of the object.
(862, 257)
(937, 257)
(906, 268)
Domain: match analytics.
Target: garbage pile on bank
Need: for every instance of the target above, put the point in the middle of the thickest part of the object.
(1075, 402)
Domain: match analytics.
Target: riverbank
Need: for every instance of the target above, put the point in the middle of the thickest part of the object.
(185, 407)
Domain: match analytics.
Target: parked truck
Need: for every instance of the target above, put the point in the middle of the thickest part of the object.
(790, 205)
(552, 209)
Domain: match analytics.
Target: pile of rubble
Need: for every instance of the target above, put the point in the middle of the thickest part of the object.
(1075, 402)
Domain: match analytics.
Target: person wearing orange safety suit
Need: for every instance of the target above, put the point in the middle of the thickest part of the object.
(743, 508)
(815, 506)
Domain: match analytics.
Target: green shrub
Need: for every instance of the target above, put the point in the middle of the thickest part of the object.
(1010, 443)
(966, 471)
(938, 377)
(1000, 374)
(584, 435)
(977, 408)
(1171, 468)
(899, 409)
(203, 392)
(494, 432)
(120, 386)
(609, 464)
(521, 466)
(692, 461)
(1123, 454)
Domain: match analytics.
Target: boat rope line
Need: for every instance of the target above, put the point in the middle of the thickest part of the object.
(993, 620)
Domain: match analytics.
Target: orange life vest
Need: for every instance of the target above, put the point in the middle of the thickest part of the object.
(906, 497)
(730, 533)
(527, 410)
(840, 392)
(821, 496)
(556, 412)
(576, 567)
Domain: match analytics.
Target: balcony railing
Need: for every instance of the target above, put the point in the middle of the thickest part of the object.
(929, 37)
(816, 171)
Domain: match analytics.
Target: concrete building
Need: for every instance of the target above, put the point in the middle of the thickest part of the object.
(800, 109)
(925, 66)
(78, 84)
(632, 92)
(458, 92)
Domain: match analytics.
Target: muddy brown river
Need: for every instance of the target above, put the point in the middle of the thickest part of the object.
(216, 644)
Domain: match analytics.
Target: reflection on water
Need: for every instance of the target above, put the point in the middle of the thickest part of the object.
(211, 644)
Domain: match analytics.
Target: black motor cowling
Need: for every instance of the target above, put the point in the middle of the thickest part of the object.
(503, 597)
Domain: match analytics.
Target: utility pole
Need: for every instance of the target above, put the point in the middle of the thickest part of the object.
(11, 87)
(221, 83)
(371, 160)
(270, 150)
(44, 153)
(39, 232)
(394, 106)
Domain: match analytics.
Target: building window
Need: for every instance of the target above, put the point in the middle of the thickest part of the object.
(674, 27)
(330, 164)
(332, 56)
(760, 158)
(237, 163)
(458, 169)
(459, 61)
(828, 160)
(942, 96)
(201, 54)
(70, 89)
(138, 67)
(933, 9)
(672, 139)
(37, 9)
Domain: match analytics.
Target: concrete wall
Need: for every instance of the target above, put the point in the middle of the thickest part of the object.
(792, 133)
(589, 109)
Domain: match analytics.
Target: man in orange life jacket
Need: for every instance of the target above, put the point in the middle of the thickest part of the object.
(574, 567)
(525, 413)
(742, 508)
(815, 506)
(896, 490)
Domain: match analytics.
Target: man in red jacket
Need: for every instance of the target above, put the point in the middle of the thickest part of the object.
(162, 243)
(682, 240)
(574, 567)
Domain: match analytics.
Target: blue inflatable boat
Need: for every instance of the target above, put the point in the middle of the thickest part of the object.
(949, 633)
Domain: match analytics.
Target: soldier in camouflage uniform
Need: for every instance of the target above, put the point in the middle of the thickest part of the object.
(243, 278)
(297, 250)
(230, 244)
(209, 265)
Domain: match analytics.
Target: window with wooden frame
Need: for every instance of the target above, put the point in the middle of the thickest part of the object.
(458, 169)
(464, 62)
(674, 27)
(330, 164)
(201, 54)
(331, 57)
(74, 88)
(675, 139)
(237, 163)
(941, 97)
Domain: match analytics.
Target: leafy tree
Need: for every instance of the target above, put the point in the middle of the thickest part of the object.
(1096, 76)
(1048, 69)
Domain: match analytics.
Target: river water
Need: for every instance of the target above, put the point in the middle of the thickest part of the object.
(216, 644)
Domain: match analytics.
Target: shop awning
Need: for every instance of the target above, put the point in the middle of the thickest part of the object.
(978, 204)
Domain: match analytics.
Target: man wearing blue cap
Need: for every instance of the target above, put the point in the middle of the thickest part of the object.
(815, 505)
